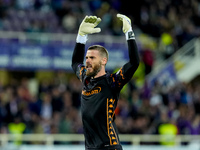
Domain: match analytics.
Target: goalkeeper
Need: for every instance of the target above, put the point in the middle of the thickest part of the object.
(100, 92)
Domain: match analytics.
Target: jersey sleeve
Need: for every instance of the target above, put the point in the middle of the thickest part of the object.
(77, 61)
(125, 73)
(80, 72)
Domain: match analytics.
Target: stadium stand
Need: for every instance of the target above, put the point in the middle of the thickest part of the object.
(49, 102)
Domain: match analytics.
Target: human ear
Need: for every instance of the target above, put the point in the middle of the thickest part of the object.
(104, 61)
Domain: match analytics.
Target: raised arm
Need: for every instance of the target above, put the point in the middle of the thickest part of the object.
(87, 27)
(126, 72)
(131, 66)
(78, 56)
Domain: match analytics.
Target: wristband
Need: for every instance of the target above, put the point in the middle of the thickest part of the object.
(81, 39)
(130, 34)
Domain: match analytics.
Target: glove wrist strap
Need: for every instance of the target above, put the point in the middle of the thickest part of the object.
(130, 34)
(81, 39)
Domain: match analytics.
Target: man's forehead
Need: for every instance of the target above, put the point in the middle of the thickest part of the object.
(92, 52)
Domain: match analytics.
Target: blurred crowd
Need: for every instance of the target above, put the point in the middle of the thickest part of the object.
(174, 21)
(161, 27)
(55, 107)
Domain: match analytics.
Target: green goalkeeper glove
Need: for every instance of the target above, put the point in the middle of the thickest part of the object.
(88, 25)
(127, 29)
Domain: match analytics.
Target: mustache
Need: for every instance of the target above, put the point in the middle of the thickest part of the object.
(88, 65)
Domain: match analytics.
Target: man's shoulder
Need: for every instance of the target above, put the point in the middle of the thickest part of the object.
(110, 77)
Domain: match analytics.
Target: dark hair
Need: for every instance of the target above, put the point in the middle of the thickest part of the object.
(101, 49)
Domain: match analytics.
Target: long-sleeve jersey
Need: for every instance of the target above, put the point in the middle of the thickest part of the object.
(99, 99)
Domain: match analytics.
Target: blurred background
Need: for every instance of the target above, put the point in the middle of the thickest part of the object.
(40, 95)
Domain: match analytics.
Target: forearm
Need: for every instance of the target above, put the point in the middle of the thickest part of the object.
(131, 66)
(133, 52)
(78, 55)
(79, 51)
(133, 63)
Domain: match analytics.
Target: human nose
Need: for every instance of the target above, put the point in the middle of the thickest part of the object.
(87, 60)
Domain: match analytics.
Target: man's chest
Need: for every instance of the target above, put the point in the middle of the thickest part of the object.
(95, 97)
(96, 91)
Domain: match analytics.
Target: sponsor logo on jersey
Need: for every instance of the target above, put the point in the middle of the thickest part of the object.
(91, 92)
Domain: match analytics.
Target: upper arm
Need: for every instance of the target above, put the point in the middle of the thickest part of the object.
(79, 70)
(118, 79)
(123, 75)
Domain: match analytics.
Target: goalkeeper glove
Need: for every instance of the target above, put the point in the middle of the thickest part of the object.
(88, 25)
(127, 29)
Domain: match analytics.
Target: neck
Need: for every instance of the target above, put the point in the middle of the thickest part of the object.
(100, 73)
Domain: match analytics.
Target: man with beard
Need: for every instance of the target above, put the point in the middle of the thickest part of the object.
(101, 89)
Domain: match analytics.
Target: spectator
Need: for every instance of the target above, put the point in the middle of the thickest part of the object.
(172, 23)
(46, 107)
(57, 102)
(17, 127)
(148, 59)
(12, 108)
(166, 45)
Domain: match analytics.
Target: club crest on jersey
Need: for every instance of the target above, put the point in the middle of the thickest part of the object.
(91, 92)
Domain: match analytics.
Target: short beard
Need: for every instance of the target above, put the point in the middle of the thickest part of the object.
(96, 69)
